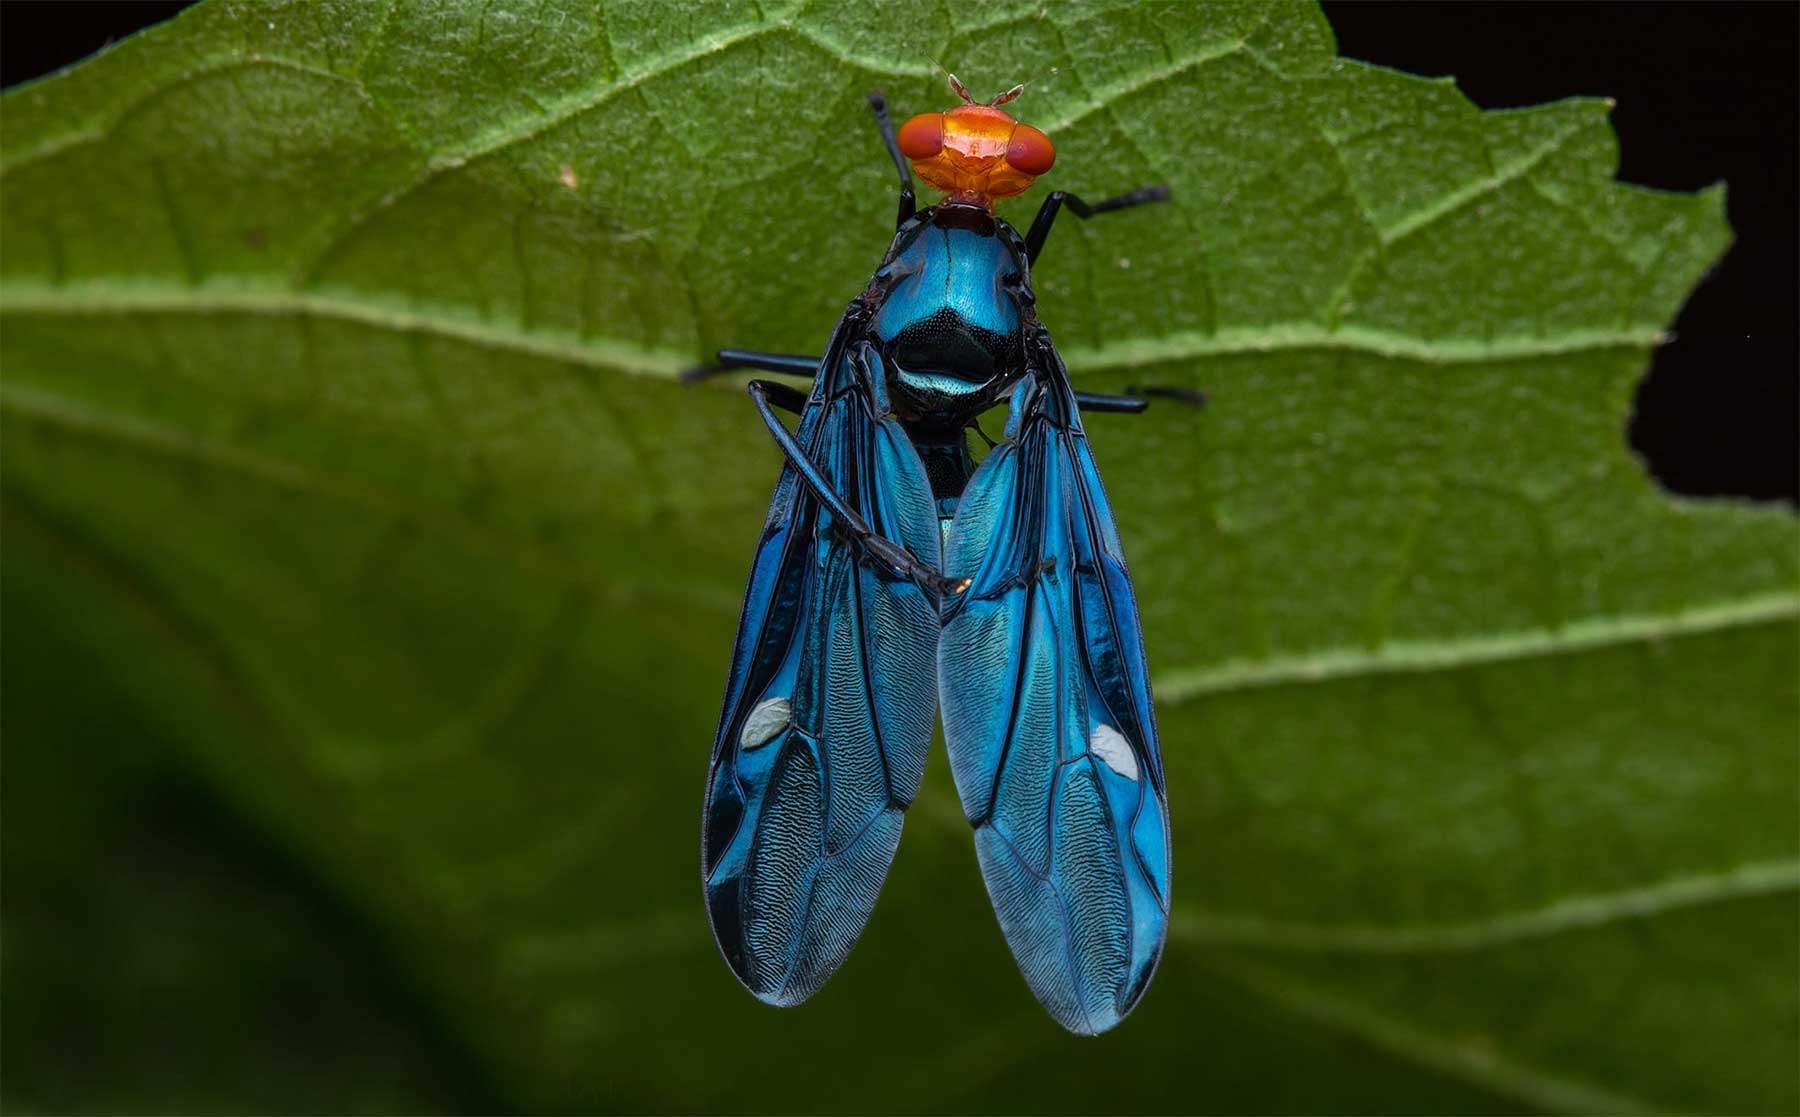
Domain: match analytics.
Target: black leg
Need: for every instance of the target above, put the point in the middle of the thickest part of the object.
(908, 203)
(790, 399)
(731, 360)
(902, 562)
(1193, 397)
(1138, 400)
(1046, 214)
(1126, 405)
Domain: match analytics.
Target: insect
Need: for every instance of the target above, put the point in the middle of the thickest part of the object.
(894, 573)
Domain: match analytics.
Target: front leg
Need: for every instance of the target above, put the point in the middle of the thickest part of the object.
(1046, 214)
(908, 202)
(789, 399)
(902, 562)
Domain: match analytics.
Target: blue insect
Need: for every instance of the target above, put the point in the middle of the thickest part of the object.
(894, 573)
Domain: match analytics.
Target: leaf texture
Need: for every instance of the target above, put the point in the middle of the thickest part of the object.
(341, 440)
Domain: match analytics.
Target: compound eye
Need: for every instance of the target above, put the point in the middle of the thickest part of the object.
(1030, 151)
(922, 136)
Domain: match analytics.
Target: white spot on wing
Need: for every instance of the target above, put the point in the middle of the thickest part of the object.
(766, 722)
(1111, 746)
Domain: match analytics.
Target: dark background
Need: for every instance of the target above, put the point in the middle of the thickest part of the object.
(1705, 91)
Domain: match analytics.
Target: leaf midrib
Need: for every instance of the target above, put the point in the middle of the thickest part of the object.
(132, 297)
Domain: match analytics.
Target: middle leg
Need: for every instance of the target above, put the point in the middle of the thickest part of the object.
(1138, 400)
(730, 360)
(1123, 405)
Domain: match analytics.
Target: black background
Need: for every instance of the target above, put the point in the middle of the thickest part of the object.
(1705, 91)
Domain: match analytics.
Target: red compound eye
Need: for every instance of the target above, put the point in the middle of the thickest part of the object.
(1030, 150)
(922, 136)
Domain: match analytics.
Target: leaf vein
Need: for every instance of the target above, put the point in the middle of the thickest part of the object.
(1182, 684)
(72, 417)
(95, 133)
(1467, 194)
(501, 139)
(1474, 1060)
(1572, 913)
(102, 298)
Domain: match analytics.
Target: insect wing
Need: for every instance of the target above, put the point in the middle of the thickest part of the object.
(830, 701)
(1048, 717)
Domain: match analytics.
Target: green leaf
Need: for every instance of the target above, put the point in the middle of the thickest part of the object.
(160, 956)
(341, 444)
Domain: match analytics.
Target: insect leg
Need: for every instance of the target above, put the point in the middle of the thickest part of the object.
(729, 360)
(1046, 214)
(891, 554)
(1138, 400)
(908, 203)
(1094, 401)
(1193, 397)
(789, 399)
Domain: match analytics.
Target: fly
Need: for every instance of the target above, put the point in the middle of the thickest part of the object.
(894, 574)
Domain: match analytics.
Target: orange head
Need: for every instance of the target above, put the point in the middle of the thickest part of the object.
(976, 153)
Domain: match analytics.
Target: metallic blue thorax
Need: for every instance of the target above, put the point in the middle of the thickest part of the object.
(950, 322)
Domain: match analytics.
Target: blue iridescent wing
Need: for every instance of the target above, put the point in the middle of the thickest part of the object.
(1047, 714)
(830, 702)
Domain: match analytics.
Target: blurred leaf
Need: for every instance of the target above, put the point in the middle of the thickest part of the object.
(340, 434)
(159, 957)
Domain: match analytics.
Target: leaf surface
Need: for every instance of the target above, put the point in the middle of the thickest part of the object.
(341, 437)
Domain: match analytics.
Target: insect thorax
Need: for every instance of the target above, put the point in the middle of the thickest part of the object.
(951, 321)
